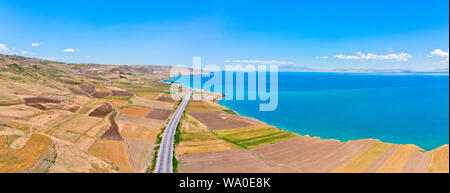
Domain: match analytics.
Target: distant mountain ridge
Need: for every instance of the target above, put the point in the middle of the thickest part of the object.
(355, 70)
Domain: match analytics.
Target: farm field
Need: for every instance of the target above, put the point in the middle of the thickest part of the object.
(206, 126)
(136, 111)
(57, 119)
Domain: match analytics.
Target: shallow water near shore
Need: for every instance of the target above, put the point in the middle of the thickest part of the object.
(402, 109)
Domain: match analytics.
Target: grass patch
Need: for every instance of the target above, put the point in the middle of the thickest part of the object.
(126, 83)
(159, 136)
(120, 98)
(8, 141)
(268, 140)
(229, 111)
(16, 67)
(249, 137)
(8, 101)
(155, 158)
(151, 169)
(177, 137)
(175, 163)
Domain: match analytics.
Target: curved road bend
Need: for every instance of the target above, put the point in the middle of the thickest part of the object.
(165, 154)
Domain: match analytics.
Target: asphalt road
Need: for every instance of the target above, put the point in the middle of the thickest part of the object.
(165, 155)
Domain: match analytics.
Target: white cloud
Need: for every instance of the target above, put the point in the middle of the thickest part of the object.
(71, 50)
(322, 57)
(37, 44)
(24, 52)
(3, 48)
(347, 57)
(390, 50)
(402, 57)
(440, 53)
(280, 63)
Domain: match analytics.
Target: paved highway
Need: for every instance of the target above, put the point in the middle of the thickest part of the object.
(165, 155)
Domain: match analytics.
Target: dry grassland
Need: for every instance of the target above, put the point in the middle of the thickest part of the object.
(154, 104)
(113, 151)
(117, 103)
(439, 160)
(15, 161)
(137, 111)
(141, 153)
(139, 128)
(72, 159)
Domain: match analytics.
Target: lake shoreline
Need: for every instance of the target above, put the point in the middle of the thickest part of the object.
(317, 136)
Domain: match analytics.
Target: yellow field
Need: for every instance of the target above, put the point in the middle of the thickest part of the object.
(141, 133)
(196, 106)
(117, 103)
(101, 88)
(439, 160)
(19, 160)
(8, 99)
(3, 145)
(148, 95)
(137, 111)
(362, 161)
(139, 128)
(398, 159)
(113, 151)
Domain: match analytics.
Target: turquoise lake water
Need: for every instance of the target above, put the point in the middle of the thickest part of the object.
(402, 109)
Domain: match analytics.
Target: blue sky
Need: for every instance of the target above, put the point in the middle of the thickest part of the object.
(319, 34)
